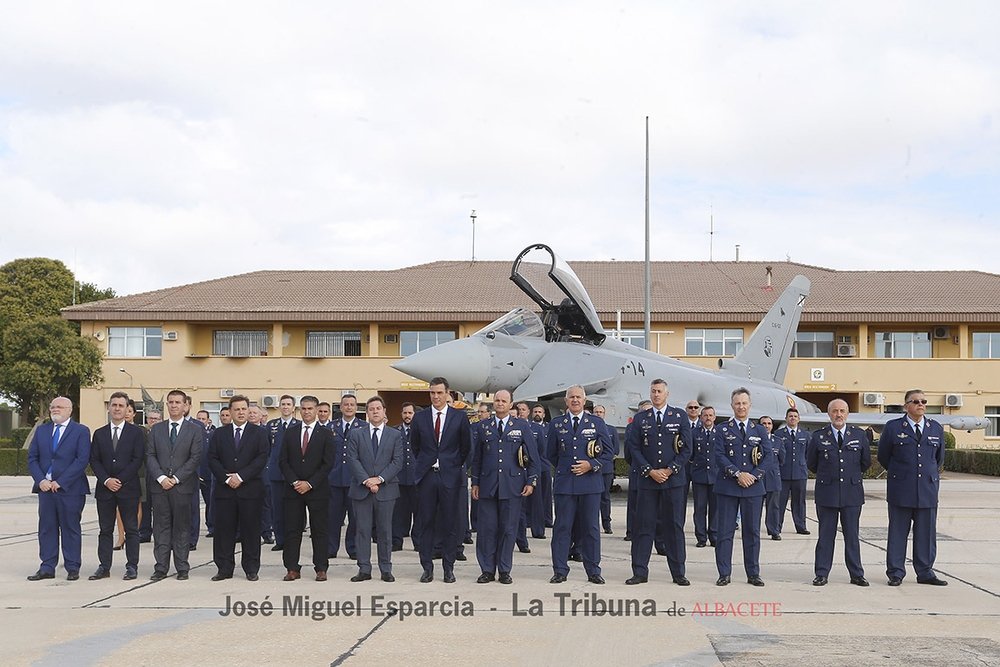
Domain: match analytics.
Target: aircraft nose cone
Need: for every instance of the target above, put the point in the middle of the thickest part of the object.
(465, 363)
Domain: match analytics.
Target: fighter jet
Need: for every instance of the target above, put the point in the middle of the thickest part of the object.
(540, 357)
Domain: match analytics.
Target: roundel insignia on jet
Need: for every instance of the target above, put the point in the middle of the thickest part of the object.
(791, 401)
(767, 346)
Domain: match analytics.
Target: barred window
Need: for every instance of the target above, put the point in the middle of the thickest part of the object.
(239, 343)
(333, 343)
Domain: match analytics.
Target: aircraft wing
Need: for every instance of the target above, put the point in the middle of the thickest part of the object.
(879, 419)
(590, 367)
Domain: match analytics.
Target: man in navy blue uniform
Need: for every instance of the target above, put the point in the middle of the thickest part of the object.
(609, 472)
(633, 479)
(911, 450)
(57, 460)
(579, 445)
(538, 506)
(772, 481)
(116, 454)
(660, 441)
(794, 441)
(839, 455)
(441, 438)
(504, 470)
(405, 520)
(237, 456)
(703, 475)
(276, 432)
(742, 455)
(538, 415)
(341, 480)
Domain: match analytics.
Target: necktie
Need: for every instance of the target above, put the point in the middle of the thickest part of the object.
(114, 439)
(659, 419)
(283, 425)
(375, 442)
(840, 440)
(347, 427)
(743, 431)
(305, 438)
(238, 429)
(500, 426)
(173, 434)
(576, 423)
(56, 434)
(437, 428)
(916, 429)
(792, 431)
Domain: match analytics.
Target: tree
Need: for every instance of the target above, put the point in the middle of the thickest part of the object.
(33, 287)
(43, 357)
(87, 292)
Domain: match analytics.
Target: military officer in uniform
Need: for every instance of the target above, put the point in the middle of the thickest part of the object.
(404, 514)
(703, 475)
(660, 441)
(609, 473)
(742, 455)
(275, 430)
(839, 455)
(579, 445)
(911, 450)
(794, 441)
(772, 482)
(504, 471)
(341, 481)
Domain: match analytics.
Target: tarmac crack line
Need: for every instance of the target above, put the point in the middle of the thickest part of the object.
(350, 652)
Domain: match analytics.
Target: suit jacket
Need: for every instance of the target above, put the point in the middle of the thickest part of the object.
(566, 447)
(313, 467)
(912, 478)
(839, 472)
(451, 452)
(703, 469)
(275, 434)
(407, 475)
(123, 463)
(794, 465)
(668, 446)
(248, 461)
(363, 463)
(735, 454)
(181, 460)
(495, 467)
(68, 462)
(341, 474)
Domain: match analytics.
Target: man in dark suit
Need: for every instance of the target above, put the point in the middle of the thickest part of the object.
(116, 454)
(911, 450)
(794, 441)
(504, 472)
(341, 507)
(703, 476)
(375, 458)
(237, 455)
(405, 520)
(839, 455)
(660, 441)
(276, 429)
(441, 438)
(580, 447)
(173, 452)
(57, 460)
(742, 456)
(306, 457)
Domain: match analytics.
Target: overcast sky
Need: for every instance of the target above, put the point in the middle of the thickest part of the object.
(155, 144)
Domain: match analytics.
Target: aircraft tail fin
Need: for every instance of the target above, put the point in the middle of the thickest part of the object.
(765, 355)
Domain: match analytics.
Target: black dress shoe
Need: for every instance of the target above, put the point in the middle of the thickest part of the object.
(220, 577)
(755, 580)
(362, 576)
(635, 579)
(253, 577)
(461, 556)
(859, 581)
(557, 579)
(681, 580)
(711, 543)
(576, 558)
(72, 575)
(524, 550)
(145, 540)
(661, 552)
(505, 578)
(627, 538)
(99, 573)
(427, 577)
(182, 576)
(193, 547)
(819, 581)
(210, 534)
(895, 581)
(436, 555)
(449, 577)
(118, 547)
(158, 576)
(351, 556)
(933, 581)
(387, 576)
(701, 544)
(539, 537)
(277, 547)
(130, 574)
(484, 578)
(397, 547)
(776, 537)
(467, 540)
(608, 531)
(595, 579)
(267, 540)
(802, 532)
(723, 580)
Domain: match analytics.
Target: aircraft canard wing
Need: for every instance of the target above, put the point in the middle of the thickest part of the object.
(566, 365)
(765, 355)
(567, 310)
(879, 419)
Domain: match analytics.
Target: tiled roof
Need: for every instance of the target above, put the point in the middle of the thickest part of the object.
(458, 291)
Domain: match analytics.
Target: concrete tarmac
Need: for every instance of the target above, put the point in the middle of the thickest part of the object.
(531, 622)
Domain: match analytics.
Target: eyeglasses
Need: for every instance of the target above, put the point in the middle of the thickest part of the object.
(692, 407)
(919, 401)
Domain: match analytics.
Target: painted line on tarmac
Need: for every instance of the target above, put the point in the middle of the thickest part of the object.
(350, 652)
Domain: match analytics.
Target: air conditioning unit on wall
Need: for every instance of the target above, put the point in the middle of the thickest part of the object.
(847, 350)
(873, 398)
(227, 393)
(169, 335)
(942, 332)
(269, 400)
(953, 400)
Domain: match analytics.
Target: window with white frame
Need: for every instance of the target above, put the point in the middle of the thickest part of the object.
(986, 345)
(993, 417)
(135, 341)
(809, 344)
(713, 342)
(902, 345)
(411, 342)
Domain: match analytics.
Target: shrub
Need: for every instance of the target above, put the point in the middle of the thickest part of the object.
(975, 461)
